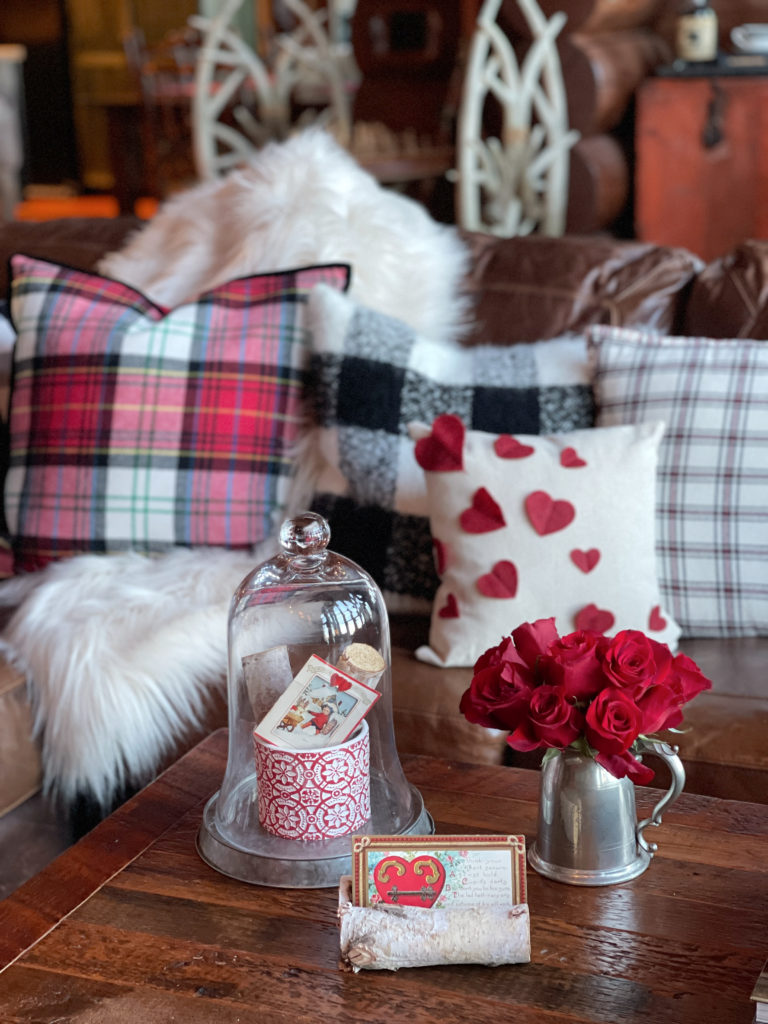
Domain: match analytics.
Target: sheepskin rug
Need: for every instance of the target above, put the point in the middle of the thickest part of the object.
(296, 203)
(121, 654)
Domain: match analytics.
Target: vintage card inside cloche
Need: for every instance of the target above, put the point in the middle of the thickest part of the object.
(321, 707)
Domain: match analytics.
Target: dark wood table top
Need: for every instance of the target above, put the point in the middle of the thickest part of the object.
(131, 926)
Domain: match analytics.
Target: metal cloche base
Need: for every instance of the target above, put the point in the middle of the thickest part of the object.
(582, 876)
(289, 873)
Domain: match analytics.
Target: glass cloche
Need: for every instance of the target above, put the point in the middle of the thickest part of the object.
(312, 757)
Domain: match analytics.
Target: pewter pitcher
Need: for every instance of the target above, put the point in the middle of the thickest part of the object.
(588, 833)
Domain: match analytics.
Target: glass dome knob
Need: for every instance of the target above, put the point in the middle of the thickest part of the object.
(305, 534)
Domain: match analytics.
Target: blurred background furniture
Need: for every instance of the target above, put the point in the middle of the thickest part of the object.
(85, 114)
(11, 127)
(242, 99)
(164, 76)
(702, 159)
(382, 81)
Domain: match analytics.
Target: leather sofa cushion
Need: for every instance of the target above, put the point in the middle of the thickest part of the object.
(525, 289)
(78, 242)
(729, 299)
(535, 287)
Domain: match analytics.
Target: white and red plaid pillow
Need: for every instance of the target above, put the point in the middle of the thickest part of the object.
(712, 507)
(134, 427)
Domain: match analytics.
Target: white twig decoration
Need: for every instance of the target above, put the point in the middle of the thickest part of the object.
(517, 184)
(230, 75)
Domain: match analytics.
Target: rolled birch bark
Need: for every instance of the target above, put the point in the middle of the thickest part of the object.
(388, 937)
(362, 662)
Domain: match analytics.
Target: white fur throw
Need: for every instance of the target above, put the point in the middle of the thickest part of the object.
(120, 654)
(296, 203)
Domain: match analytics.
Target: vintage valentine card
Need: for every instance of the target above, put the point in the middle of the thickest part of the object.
(438, 871)
(321, 707)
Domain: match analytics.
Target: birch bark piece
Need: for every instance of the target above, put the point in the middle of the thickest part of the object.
(362, 662)
(267, 674)
(388, 937)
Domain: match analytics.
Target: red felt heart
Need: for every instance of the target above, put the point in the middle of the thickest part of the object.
(450, 609)
(508, 447)
(571, 459)
(594, 618)
(656, 620)
(438, 549)
(585, 560)
(340, 682)
(483, 515)
(546, 514)
(415, 883)
(501, 581)
(441, 451)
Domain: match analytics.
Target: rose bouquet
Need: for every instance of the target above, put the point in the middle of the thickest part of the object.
(584, 690)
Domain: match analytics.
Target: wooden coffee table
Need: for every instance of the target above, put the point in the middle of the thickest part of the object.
(131, 926)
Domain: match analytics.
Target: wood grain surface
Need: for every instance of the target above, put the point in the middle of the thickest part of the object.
(131, 926)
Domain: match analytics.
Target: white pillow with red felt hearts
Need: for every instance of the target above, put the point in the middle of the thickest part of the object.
(526, 527)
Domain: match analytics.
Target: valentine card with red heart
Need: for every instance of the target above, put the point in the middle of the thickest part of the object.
(440, 872)
(410, 883)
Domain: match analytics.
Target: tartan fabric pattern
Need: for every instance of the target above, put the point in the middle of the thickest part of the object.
(712, 502)
(134, 427)
(370, 376)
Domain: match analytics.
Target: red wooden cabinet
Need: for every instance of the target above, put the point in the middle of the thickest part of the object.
(701, 172)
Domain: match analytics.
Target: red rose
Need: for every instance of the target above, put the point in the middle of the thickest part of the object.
(686, 678)
(660, 709)
(552, 721)
(574, 663)
(502, 653)
(533, 639)
(613, 721)
(534, 684)
(634, 662)
(620, 765)
(498, 696)
(661, 702)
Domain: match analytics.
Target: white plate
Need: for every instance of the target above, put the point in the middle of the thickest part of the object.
(752, 38)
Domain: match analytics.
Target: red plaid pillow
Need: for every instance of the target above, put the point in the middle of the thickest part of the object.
(134, 427)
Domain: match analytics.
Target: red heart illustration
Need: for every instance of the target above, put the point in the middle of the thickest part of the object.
(438, 550)
(594, 618)
(450, 609)
(483, 515)
(508, 447)
(340, 682)
(656, 620)
(501, 581)
(546, 514)
(585, 560)
(416, 883)
(441, 451)
(571, 459)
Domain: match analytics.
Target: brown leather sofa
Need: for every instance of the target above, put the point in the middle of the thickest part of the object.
(525, 289)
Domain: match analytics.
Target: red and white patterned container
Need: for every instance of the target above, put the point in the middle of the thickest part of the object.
(314, 794)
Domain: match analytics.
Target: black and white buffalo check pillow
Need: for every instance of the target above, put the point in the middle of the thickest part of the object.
(370, 376)
(712, 487)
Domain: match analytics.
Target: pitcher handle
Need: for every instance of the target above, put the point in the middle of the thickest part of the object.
(668, 754)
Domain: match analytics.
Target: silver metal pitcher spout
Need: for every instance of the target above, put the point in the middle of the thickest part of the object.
(588, 833)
